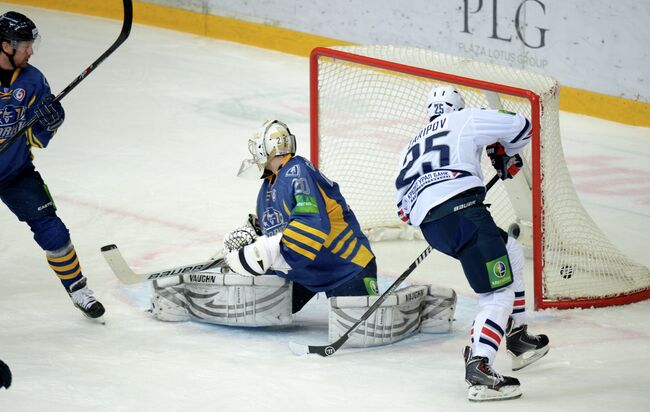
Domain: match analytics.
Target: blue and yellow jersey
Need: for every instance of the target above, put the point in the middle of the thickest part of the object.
(17, 103)
(321, 237)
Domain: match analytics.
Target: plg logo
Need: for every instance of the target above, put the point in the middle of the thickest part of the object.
(499, 269)
(522, 16)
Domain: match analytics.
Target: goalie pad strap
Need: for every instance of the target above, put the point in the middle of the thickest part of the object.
(244, 263)
(438, 311)
(216, 277)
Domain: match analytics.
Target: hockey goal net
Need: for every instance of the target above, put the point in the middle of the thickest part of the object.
(368, 101)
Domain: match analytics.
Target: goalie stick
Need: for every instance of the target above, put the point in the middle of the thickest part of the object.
(124, 34)
(124, 273)
(329, 350)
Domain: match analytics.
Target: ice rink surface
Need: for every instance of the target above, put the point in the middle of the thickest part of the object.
(147, 159)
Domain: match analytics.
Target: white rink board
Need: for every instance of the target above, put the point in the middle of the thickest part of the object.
(590, 45)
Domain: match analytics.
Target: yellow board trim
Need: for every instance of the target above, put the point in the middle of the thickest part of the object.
(309, 255)
(617, 109)
(219, 27)
(606, 107)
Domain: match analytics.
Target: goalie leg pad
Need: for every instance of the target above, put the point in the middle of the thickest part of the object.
(438, 311)
(231, 299)
(397, 318)
(168, 301)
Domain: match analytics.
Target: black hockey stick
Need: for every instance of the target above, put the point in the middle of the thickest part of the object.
(329, 350)
(124, 34)
(123, 271)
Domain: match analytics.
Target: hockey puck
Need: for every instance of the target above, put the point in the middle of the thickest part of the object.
(514, 230)
(566, 271)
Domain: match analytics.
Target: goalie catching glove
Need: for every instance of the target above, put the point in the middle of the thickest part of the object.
(506, 166)
(242, 236)
(258, 257)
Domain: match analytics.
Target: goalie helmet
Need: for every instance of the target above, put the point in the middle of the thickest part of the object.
(16, 27)
(270, 140)
(442, 100)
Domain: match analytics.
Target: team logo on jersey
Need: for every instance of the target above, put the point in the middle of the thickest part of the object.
(19, 94)
(499, 269)
(499, 272)
(305, 204)
(11, 114)
(271, 219)
(293, 172)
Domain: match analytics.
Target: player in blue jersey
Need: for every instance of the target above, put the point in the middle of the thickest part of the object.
(309, 234)
(25, 93)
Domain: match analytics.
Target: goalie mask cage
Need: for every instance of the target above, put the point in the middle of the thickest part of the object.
(368, 101)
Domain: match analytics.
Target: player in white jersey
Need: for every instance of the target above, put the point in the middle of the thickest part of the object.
(439, 187)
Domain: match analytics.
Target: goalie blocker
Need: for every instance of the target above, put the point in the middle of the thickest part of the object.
(230, 299)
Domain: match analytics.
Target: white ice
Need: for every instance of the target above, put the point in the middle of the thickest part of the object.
(147, 159)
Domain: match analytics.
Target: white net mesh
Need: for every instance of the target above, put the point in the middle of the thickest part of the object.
(366, 114)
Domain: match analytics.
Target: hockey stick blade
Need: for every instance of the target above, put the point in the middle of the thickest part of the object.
(127, 22)
(124, 273)
(299, 349)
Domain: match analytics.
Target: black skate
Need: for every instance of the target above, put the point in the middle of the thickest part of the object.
(83, 298)
(484, 383)
(524, 348)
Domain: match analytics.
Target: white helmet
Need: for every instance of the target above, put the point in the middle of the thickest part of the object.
(444, 99)
(270, 140)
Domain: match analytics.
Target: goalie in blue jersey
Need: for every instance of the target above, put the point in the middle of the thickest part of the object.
(24, 94)
(307, 240)
(309, 234)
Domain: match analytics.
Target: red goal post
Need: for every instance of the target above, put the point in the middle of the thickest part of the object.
(366, 102)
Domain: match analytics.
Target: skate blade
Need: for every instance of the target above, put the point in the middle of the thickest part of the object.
(483, 393)
(101, 319)
(527, 358)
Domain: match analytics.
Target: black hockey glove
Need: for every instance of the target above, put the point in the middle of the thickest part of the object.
(5, 375)
(506, 166)
(50, 114)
